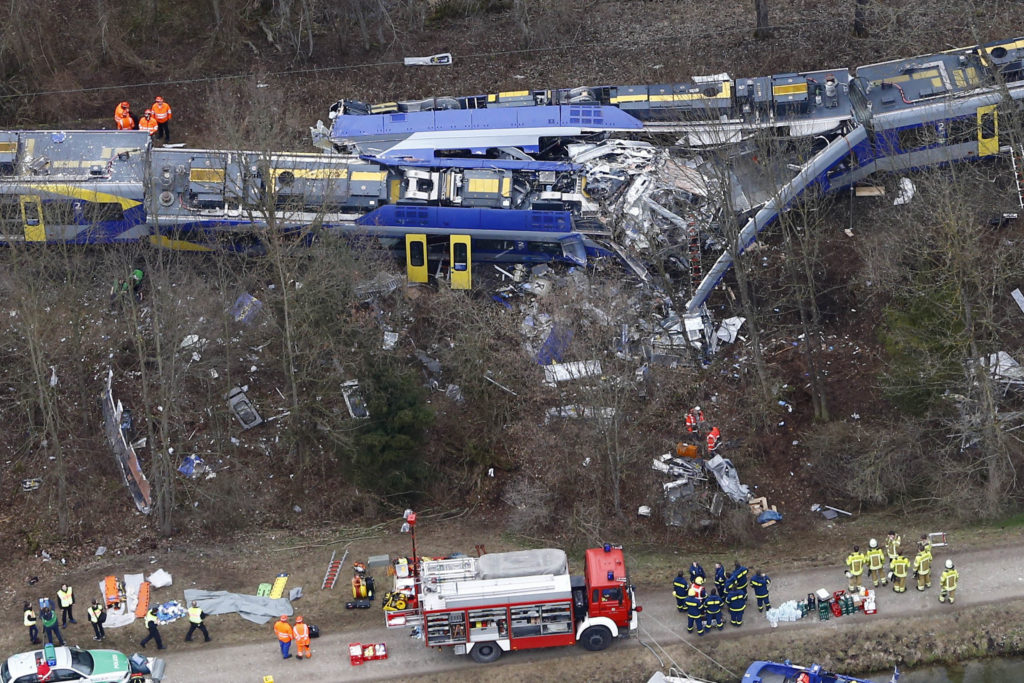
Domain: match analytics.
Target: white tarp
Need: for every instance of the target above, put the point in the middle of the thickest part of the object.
(522, 563)
(159, 579)
(126, 613)
(251, 607)
(728, 479)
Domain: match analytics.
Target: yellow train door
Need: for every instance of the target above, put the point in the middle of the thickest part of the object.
(988, 130)
(416, 258)
(462, 262)
(32, 217)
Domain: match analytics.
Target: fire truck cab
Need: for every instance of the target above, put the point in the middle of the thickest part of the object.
(523, 600)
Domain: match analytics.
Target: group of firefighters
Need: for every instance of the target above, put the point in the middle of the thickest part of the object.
(156, 120)
(703, 607)
(697, 429)
(873, 561)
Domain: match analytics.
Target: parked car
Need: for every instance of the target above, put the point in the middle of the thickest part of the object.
(74, 664)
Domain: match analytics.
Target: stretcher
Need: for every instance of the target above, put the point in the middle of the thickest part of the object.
(143, 606)
(279, 583)
(113, 592)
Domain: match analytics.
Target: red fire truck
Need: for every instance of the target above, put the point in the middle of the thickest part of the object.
(520, 600)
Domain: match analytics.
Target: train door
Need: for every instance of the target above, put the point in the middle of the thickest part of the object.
(462, 262)
(988, 130)
(416, 258)
(32, 217)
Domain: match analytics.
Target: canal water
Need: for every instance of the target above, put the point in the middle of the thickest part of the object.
(984, 671)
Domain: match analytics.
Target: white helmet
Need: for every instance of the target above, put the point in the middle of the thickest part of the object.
(949, 564)
(873, 543)
(697, 408)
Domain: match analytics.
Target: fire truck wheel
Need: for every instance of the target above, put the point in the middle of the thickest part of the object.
(486, 652)
(596, 638)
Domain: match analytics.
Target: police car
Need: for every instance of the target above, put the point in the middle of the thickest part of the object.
(73, 664)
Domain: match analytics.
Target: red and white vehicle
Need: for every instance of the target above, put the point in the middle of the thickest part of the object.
(520, 600)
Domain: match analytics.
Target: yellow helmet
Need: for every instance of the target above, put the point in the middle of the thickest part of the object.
(699, 581)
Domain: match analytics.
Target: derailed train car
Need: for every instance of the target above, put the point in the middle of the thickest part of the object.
(101, 187)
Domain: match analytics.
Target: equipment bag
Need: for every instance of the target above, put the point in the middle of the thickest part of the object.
(314, 631)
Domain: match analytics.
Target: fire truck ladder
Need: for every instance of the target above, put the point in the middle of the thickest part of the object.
(452, 569)
(333, 569)
(1018, 171)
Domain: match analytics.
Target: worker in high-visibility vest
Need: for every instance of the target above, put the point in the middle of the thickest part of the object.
(876, 563)
(855, 562)
(713, 605)
(694, 614)
(284, 632)
(162, 113)
(697, 588)
(66, 596)
(892, 546)
(923, 567)
(301, 631)
(196, 615)
(714, 436)
(148, 123)
(679, 591)
(759, 583)
(691, 423)
(900, 569)
(947, 583)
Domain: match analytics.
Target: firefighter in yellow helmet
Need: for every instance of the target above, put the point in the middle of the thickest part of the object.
(876, 563)
(855, 562)
(947, 583)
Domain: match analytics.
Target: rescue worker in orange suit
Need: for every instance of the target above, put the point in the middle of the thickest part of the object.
(284, 636)
(148, 123)
(162, 113)
(713, 438)
(123, 117)
(301, 632)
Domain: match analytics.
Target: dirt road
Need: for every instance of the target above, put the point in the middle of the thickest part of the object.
(986, 575)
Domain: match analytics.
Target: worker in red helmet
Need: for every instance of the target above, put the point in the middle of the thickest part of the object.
(284, 632)
(123, 117)
(162, 113)
(714, 438)
(301, 631)
(148, 123)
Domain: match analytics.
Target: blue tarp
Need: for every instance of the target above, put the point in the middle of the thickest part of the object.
(190, 464)
(769, 516)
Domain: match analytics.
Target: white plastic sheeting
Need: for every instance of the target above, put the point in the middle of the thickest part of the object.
(728, 479)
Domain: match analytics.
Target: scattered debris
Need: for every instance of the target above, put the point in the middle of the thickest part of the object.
(123, 452)
(564, 372)
(159, 579)
(440, 59)
(243, 408)
(578, 412)
(906, 192)
(829, 512)
(354, 401)
(31, 484)
(644, 511)
(728, 479)
(193, 466)
(245, 309)
(766, 516)
(1019, 298)
(381, 284)
(729, 328)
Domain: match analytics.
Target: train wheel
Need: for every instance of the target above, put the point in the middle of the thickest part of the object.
(486, 652)
(596, 638)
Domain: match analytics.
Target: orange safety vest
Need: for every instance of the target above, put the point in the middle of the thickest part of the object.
(125, 122)
(713, 439)
(161, 112)
(284, 631)
(301, 633)
(691, 422)
(149, 124)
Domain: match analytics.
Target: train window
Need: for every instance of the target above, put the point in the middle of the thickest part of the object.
(988, 125)
(101, 212)
(962, 130)
(10, 213)
(552, 248)
(59, 212)
(417, 257)
(460, 252)
(918, 137)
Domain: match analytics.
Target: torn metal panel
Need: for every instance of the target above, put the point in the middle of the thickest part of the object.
(564, 372)
(555, 345)
(379, 285)
(354, 402)
(728, 479)
(127, 460)
(246, 307)
(579, 412)
(1019, 298)
(243, 408)
(1004, 368)
(440, 59)
(729, 328)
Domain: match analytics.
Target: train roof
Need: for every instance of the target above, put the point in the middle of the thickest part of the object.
(73, 156)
